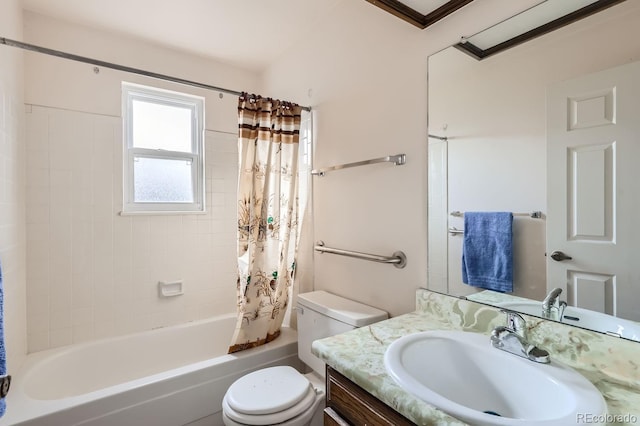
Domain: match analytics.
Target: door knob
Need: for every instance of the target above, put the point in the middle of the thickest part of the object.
(559, 256)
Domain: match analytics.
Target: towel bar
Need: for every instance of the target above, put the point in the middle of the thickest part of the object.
(398, 160)
(534, 215)
(455, 231)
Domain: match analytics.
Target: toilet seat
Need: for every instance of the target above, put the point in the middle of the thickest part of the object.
(268, 396)
(271, 418)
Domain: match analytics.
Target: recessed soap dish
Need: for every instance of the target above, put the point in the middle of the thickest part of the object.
(170, 289)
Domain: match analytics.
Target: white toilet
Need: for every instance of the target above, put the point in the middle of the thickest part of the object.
(281, 395)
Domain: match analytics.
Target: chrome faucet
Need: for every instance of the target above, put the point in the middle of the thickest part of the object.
(512, 338)
(552, 306)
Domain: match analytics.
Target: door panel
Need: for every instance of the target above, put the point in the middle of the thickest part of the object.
(593, 127)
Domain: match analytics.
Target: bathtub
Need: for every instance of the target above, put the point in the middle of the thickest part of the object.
(169, 376)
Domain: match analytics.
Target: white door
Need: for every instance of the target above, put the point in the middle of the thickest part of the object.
(593, 190)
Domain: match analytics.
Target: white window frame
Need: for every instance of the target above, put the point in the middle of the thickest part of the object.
(131, 92)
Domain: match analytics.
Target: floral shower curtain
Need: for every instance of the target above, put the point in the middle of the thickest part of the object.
(268, 140)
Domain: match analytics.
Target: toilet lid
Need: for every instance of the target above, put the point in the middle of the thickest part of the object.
(267, 391)
(281, 417)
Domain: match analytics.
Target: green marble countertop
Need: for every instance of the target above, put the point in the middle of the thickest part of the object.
(608, 362)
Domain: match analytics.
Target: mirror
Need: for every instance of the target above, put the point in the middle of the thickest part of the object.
(544, 17)
(489, 153)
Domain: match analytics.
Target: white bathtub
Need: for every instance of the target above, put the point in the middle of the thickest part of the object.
(170, 376)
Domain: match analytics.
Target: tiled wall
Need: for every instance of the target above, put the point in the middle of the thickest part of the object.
(12, 184)
(93, 273)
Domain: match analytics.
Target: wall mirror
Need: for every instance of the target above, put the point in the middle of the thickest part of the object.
(543, 127)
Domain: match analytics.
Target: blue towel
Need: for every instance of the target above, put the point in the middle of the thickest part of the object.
(3, 353)
(487, 251)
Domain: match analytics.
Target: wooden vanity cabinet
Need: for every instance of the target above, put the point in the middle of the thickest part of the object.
(349, 404)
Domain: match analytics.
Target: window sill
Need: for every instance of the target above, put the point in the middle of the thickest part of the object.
(161, 213)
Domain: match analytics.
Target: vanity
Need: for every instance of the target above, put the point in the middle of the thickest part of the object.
(360, 391)
(349, 404)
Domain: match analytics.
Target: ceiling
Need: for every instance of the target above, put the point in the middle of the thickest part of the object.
(238, 32)
(244, 33)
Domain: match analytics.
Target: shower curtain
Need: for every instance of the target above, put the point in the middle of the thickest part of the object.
(268, 225)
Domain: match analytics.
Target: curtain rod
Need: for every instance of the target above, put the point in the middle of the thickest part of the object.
(97, 62)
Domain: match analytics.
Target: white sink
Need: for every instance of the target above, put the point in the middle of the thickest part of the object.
(584, 318)
(463, 375)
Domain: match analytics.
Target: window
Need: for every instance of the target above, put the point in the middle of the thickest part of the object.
(163, 150)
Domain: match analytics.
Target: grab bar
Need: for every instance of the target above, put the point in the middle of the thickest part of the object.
(398, 259)
(398, 160)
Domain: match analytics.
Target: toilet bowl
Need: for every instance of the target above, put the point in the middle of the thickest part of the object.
(283, 396)
(274, 396)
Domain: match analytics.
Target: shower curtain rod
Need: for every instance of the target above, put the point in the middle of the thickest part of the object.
(118, 67)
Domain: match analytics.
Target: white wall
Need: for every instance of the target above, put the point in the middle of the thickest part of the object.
(12, 185)
(91, 272)
(495, 114)
(367, 73)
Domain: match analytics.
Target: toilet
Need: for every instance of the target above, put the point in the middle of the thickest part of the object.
(283, 396)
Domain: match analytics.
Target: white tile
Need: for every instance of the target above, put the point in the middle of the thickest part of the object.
(38, 305)
(99, 271)
(122, 289)
(140, 243)
(82, 296)
(60, 297)
(60, 180)
(104, 313)
(141, 284)
(82, 316)
(218, 185)
(38, 341)
(37, 287)
(103, 248)
(103, 209)
(38, 178)
(190, 225)
(3, 111)
(60, 258)
(104, 329)
(61, 320)
(38, 257)
(38, 233)
(104, 292)
(61, 337)
(82, 248)
(218, 199)
(204, 227)
(82, 333)
(37, 159)
(38, 323)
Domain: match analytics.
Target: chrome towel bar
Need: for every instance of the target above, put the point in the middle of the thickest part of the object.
(398, 160)
(533, 215)
(454, 231)
(398, 259)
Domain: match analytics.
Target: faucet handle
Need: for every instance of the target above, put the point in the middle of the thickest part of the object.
(552, 299)
(515, 322)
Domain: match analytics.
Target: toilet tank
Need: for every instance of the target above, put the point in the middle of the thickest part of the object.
(322, 314)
